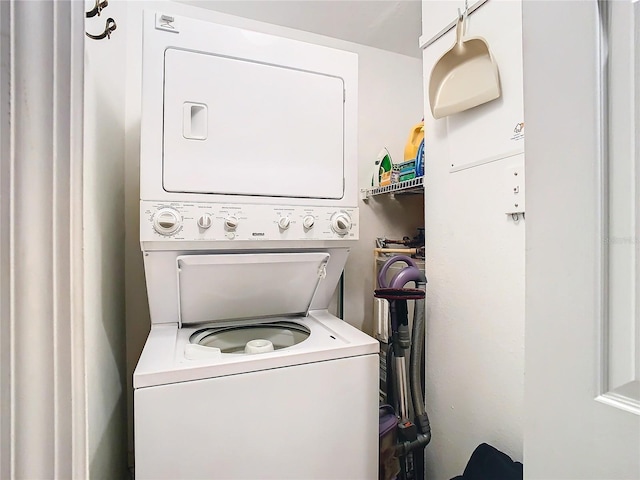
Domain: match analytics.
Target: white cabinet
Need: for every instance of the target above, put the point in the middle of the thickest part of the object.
(495, 130)
(476, 253)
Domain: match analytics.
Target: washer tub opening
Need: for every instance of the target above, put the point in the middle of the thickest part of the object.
(233, 339)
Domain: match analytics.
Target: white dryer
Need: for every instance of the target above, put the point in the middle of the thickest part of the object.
(248, 210)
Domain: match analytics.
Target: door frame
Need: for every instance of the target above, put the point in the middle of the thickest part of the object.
(43, 415)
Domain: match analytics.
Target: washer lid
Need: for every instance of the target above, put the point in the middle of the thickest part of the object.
(222, 287)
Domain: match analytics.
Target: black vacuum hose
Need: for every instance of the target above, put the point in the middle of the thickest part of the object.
(415, 362)
(415, 384)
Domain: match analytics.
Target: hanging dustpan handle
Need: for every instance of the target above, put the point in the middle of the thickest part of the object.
(461, 24)
(459, 30)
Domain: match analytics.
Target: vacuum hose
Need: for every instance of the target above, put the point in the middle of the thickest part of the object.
(415, 366)
(417, 396)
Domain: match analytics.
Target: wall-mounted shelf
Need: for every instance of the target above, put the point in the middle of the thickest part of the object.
(413, 186)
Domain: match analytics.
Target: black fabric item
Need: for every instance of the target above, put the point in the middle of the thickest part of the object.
(488, 463)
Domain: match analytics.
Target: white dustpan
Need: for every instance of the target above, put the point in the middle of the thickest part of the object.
(464, 77)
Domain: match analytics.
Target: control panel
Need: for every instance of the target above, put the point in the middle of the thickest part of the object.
(242, 222)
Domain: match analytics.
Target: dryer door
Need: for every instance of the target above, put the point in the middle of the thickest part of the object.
(239, 127)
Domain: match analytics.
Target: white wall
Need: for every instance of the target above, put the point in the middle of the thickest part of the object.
(390, 89)
(392, 25)
(475, 267)
(104, 246)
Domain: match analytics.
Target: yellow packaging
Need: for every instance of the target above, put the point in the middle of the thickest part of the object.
(385, 179)
(413, 143)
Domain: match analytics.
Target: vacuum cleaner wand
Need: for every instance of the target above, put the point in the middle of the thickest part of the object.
(412, 436)
(400, 337)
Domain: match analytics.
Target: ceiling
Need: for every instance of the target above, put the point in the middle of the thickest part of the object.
(392, 25)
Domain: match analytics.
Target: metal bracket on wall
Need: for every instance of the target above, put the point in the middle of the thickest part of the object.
(514, 200)
(99, 6)
(110, 24)
(109, 27)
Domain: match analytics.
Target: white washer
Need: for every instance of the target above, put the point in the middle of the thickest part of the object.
(245, 373)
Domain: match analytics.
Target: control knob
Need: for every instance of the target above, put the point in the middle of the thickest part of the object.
(308, 221)
(204, 221)
(231, 223)
(341, 223)
(166, 221)
(284, 223)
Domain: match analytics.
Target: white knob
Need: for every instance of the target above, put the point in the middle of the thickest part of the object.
(231, 223)
(308, 221)
(341, 223)
(204, 221)
(284, 223)
(166, 221)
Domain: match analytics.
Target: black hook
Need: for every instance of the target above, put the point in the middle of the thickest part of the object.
(109, 27)
(97, 9)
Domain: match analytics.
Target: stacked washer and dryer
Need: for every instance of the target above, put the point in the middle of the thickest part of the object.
(248, 209)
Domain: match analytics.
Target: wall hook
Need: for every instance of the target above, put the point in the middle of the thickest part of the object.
(97, 9)
(109, 27)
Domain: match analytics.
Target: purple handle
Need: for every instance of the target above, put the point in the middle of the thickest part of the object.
(406, 275)
(382, 275)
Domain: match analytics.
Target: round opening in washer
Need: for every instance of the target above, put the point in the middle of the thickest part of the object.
(234, 339)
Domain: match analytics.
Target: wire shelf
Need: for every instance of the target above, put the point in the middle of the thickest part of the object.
(413, 186)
